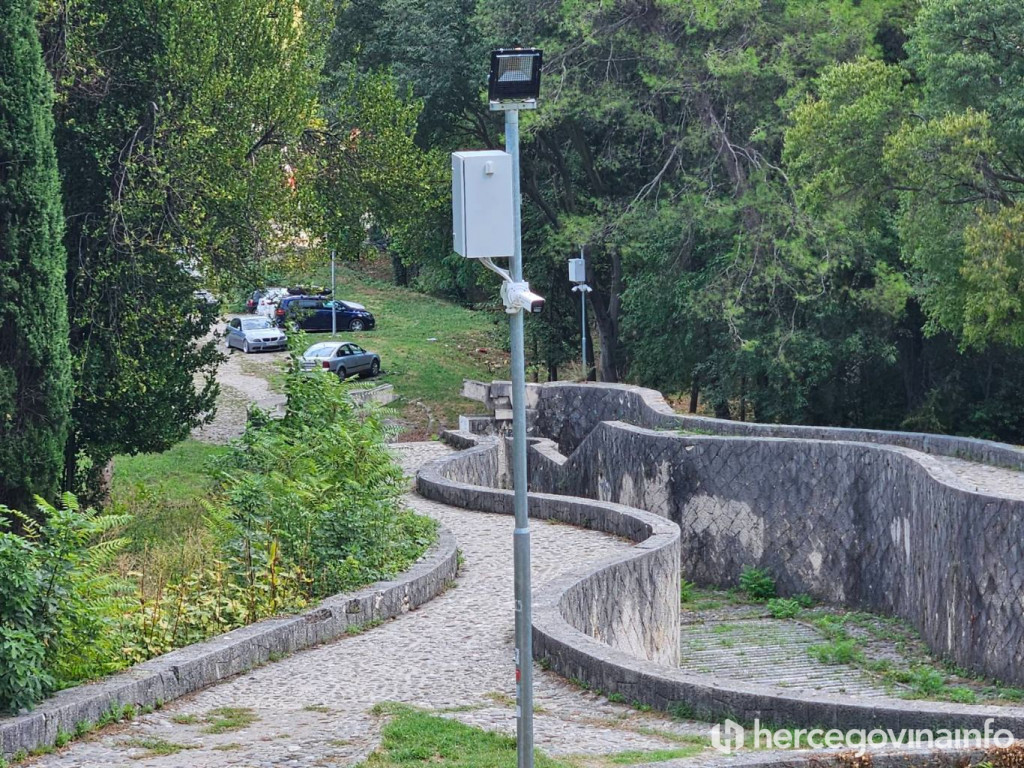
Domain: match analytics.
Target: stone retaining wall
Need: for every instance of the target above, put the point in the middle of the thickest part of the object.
(189, 669)
(629, 602)
(864, 526)
(567, 412)
(565, 636)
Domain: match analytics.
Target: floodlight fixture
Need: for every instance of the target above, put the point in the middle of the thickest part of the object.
(515, 77)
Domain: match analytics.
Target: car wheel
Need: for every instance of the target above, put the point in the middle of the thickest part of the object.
(374, 367)
(356, 325)
(245, 346)
(293, 326)
(342, 374)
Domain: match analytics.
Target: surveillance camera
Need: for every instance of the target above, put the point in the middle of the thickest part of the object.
(518, 296)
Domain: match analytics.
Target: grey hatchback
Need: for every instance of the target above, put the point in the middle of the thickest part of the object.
(342, 358)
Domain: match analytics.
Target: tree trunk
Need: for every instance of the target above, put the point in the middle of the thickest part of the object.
(694, 394)
(606, 315)
(401, 273)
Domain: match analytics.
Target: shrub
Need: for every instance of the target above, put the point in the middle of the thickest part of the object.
(686, 591)
(758, 584)
(318, 493)
(62, 611)
(783, 608)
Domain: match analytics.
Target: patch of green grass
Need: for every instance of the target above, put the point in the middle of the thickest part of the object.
(836, 652)
(632, 757)
(185, 719)
(428, 372)
(156, 747)
(358, 629)
(224, 719)
(413, 738)
(227, 747)
(176, 474)
(316, 708)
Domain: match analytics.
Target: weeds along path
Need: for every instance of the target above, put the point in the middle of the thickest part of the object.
(451, 656)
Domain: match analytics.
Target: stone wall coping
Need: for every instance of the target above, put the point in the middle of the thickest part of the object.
(969, 448)
(577, 656)
(938, 471)
(186, 670)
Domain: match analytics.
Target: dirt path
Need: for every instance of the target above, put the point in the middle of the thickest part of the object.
(243, 382)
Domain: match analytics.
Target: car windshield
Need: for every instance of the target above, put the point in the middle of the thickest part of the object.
(256, 324)
(321, 350)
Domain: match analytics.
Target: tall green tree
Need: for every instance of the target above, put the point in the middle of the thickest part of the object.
(35, 384)
(178, 124)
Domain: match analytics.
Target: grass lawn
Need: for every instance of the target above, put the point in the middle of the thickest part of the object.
(169, 534)
(176, 474)
(413, 738)
(427, 375)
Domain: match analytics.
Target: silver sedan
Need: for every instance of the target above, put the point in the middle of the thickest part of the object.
(252, 334)
(342, 358)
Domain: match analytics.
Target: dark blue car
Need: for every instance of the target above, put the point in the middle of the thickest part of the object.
(313, 313)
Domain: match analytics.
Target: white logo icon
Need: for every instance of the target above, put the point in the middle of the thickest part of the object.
(727, 737)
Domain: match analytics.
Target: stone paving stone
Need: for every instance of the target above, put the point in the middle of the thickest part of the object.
(769, 652)
(312, 708)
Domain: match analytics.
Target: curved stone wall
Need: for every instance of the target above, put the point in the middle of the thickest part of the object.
(629, 602)
(864, 518)
(854, 524)
(569, 619)
(567, 412)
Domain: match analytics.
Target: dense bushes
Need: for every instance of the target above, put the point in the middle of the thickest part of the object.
(301, 508)
(62, 608)
(320, 486)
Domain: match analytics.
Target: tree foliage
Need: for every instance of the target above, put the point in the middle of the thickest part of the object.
(35, 382)
(176, 121)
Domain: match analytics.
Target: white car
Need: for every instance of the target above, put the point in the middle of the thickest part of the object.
(267, 306)
(253, 334)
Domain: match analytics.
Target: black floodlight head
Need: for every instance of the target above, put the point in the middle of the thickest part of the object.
(515, 74)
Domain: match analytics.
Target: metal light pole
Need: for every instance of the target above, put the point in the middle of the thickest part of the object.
(514, 84)
(487, 224)
(334, 301)
(578, 275)
(521, 534)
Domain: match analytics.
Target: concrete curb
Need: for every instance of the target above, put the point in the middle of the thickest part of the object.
(189, 669)
(576, 655)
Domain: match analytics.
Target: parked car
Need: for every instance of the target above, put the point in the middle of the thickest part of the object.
(253, 301)
(267, 305)
(342, 358)
(313, 313)
(252, 334)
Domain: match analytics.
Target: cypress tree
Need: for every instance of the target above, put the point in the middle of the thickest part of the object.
(35, 372)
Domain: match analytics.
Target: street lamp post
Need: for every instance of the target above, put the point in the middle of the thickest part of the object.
(486, 223)
(334, 301)
(514, 84)
(578, 275)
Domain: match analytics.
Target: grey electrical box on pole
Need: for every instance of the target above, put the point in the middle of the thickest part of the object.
(577, 271)
(482, 217)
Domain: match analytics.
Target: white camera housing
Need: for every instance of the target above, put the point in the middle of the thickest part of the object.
(518, 297)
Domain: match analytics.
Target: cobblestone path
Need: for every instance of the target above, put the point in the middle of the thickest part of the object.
(454, 654)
